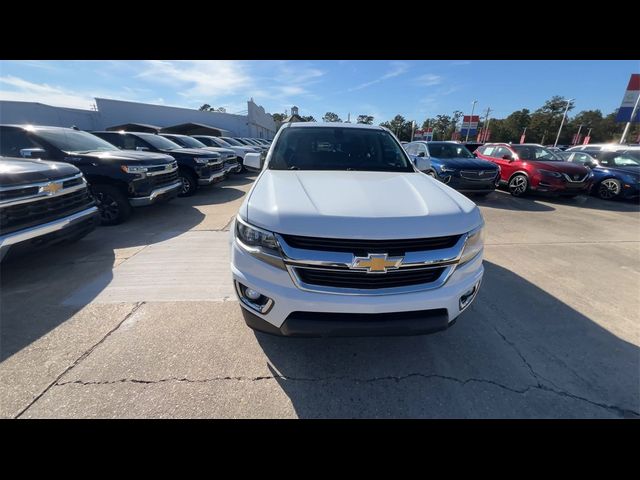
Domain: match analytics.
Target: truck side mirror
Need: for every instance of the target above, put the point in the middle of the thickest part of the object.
(253, 160)
(32, 152)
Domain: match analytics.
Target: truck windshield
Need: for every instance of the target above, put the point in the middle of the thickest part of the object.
(187, 141)
(233, 142)
(159, 142)
(448, 150)
(325, 148)
(74, 141)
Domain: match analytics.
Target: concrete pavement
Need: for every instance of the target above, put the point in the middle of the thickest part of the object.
(140, 321)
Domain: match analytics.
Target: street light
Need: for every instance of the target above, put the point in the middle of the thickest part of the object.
(473, 106)
(564, 115)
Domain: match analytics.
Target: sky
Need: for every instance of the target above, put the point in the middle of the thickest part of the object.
(415, 89)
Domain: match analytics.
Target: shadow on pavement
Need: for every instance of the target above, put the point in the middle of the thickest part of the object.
(594, 203)
(506, 201)
(517, 352)
(34, 286)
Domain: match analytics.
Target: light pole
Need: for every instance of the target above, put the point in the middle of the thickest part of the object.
(473, 106)
(633, 114)
(564, 115)
(578, 135)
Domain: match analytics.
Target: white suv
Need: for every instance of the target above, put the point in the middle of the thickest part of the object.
(342, 235)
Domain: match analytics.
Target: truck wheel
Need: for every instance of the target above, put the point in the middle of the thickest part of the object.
(189, 183)
(241, 162)
(113, 204)
(518, 185)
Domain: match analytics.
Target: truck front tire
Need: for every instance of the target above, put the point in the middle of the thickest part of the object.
(113, 204)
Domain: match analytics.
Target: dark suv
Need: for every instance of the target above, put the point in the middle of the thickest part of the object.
(118, 180)
(42, 203)
(195, 166)
(229, 158)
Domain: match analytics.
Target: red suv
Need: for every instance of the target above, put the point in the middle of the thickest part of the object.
(530, 167)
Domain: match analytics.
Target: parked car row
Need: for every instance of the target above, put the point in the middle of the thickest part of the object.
(605, 170)
(57, 184)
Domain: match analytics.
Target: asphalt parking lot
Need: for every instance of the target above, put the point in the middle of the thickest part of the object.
(140, 320)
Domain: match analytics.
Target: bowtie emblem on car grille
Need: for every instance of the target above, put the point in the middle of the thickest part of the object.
(576, 177)
(376, 263)
(481, 172)
(52, 188)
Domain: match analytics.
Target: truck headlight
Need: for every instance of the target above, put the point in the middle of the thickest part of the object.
(133, 168)
(256, 237)
(473, 245)
(201, 160)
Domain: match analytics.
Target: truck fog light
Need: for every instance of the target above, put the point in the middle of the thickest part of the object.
(468, 296)
(253, 299)
(252, 294)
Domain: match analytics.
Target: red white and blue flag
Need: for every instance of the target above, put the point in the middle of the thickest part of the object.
(629, 100)
(469, 123)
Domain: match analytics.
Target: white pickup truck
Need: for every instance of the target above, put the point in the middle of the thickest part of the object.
(341, 235)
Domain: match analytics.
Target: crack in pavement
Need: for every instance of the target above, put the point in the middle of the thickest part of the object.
(84, 355)
(625, 413)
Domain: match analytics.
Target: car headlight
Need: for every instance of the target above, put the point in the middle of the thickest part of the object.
(444, 169)
(256, 237)
(549, 173)
(133, 168)
(473, 245)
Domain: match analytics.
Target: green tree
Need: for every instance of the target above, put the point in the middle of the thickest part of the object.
(515, 124)
(331, 117)
(545, 121)
(205, 108)
(366, 119)
(278, 117)
(441, 127)
(308, 118)
(400, 127)
(457, 115)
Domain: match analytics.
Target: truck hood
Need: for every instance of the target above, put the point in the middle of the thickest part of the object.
(221, 150)
(129, 157)
(192, 152)
(371, 205)
(14, 172)
(466, 163)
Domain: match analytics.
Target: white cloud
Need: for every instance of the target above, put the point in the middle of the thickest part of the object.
(202, 80)
(428, 80)
(398, 68)
(25, 91)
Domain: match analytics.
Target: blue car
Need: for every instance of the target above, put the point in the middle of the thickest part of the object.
(616, 172)
(456, 166)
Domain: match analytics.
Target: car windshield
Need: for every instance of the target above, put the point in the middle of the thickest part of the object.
(187, 141)
(158, 142)
(221, 143)
(325, 148)
(241, 141)
(231, 141)
(535, 153)
(74, 141)
(622, 159)
(448, 150)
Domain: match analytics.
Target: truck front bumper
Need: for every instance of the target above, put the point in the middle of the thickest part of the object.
(296, 312)
(213, 178)
(158, 194)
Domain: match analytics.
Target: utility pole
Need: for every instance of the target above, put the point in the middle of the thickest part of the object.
(564, 115)
(578, 135)
(628, 125)
(473, 106)
(485, 126)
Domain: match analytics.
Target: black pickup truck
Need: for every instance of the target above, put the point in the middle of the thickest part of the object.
(195, 166)
(231, 162)
(118, 180)
(42, 203)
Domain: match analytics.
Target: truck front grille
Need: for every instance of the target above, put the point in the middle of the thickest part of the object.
(364, 247)
(164, 178)
(342, 278)
(478, 174)
(43, 210)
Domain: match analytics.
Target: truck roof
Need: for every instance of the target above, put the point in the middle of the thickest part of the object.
(332, 125)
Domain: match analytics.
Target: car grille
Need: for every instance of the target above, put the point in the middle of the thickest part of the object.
(478, 174)
(47, 209)
(216, 167)
(164, 178)
(364, 247)
(231, 162)
(575, 178)
(342, 278)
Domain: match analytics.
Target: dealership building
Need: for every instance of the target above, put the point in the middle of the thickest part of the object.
(255, 123)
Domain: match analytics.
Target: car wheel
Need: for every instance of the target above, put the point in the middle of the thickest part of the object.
(609, 188)
(518, 185)
(113, 204)
(189, 183)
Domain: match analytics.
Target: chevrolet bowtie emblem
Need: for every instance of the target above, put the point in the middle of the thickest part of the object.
(376, 263)
(52, 188)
